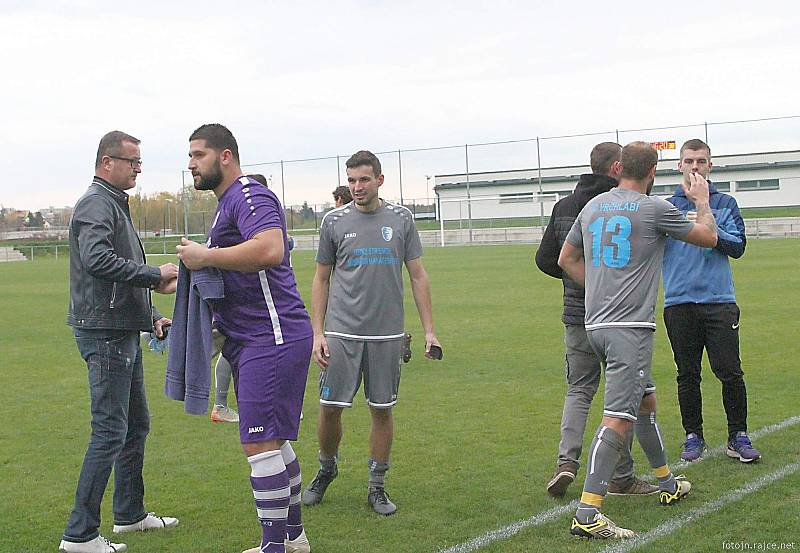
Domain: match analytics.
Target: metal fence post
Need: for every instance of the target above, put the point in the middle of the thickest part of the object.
(400, 173)
(469, 201)
(539, 169)
(283, 188)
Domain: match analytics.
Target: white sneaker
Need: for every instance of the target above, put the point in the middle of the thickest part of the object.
(298, 545)
(222, 413)
(150, 522)
(97, 545)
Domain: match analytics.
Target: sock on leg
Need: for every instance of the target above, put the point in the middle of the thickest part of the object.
(326, 463)
(294, 522)
(649, 437)
(377, 473)
(603, 457)
(270, 482)
(222, 381)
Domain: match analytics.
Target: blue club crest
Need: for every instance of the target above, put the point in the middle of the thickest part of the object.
(387, 233)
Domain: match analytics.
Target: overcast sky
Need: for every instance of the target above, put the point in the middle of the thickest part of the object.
(297, 80)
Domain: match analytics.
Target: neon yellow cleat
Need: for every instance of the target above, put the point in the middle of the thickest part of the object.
(682, 490)
(601, 527)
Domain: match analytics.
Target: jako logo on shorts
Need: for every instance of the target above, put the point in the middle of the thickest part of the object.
(387, 233)
(254, 429)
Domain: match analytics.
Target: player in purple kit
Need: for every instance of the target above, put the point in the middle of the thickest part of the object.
(268, 331)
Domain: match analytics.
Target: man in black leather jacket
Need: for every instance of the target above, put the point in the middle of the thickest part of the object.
(582, 365)
(110, 304)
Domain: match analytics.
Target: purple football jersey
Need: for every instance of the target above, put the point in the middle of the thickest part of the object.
(260, 308)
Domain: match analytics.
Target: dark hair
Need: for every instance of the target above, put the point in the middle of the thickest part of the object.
(217, 137)
(364, 157)
(343, 192)
(695, 144)
(637, 159)
(259, 178)
(111, 145)
(603, 157)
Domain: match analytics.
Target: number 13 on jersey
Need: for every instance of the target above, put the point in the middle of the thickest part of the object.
(616, 254)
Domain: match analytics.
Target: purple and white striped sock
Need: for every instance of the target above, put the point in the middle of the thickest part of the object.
(270, 483)
(294, 524)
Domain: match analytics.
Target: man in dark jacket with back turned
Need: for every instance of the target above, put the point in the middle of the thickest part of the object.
(109, 305)
(582, 365)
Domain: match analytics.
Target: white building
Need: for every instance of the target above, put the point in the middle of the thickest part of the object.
(765, 179)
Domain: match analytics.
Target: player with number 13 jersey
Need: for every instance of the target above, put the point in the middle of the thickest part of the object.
(624, 229)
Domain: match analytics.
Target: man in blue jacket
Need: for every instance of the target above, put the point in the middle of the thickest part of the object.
(700, 312)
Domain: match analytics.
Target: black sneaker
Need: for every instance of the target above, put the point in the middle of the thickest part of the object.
(380, 502)
(314, 492)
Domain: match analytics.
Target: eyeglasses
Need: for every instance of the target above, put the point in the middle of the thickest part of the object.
(135, 162)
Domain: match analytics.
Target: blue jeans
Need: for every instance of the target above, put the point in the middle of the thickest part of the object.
(120, 424)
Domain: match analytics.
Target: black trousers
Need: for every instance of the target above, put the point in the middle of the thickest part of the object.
(715, 327)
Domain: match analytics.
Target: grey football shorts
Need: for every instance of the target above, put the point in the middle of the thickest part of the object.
(377, 362)
(628, 357)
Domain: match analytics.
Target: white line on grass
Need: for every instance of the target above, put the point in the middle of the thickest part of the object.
(536, 520)
(710, 507)
(508, 531)
(720, 449)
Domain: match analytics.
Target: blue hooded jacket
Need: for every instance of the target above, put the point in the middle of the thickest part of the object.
(703, 275)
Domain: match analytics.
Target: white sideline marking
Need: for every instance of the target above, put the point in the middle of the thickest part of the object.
(508, 531)
(707, 508)
(546, 516)
(720, 449)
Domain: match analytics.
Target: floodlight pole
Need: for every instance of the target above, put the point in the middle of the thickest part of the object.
(428, 189)
(338, 172)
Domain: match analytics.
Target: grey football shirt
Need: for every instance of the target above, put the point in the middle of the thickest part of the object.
(367, 251)
(622, 234)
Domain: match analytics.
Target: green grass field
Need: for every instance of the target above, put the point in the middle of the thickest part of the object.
(476, 434)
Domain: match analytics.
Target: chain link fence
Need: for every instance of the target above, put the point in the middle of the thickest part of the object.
(305, 186)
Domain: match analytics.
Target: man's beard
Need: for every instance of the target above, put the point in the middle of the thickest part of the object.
(210, 180)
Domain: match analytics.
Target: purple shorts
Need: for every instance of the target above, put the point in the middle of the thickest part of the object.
(270, 382)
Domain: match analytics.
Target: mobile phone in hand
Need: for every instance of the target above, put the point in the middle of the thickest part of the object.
(435, 353)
